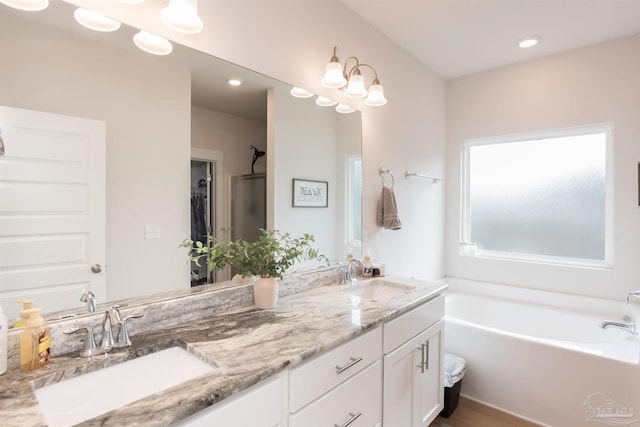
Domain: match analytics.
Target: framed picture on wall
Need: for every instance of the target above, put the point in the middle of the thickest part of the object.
(309, 194)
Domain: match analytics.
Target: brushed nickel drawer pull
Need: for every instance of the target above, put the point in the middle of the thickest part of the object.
(422, 358)
(354, 360)
(426, 351)
(352, 419)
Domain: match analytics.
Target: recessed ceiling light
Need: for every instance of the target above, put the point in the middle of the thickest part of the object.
(528, 41)
(95, 21)
(234, 82)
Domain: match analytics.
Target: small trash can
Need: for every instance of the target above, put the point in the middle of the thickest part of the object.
(454, 369)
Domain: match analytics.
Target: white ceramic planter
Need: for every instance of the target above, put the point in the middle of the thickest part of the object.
(265, 292)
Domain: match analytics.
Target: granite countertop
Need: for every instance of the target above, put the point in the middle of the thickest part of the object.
(246, 346)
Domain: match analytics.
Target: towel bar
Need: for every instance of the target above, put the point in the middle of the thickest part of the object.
(408, 174)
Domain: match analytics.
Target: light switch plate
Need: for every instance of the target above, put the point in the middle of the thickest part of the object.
(152, 232)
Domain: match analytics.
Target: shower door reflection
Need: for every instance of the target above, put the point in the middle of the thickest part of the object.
(248, 206)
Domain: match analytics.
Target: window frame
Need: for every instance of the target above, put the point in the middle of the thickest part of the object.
(467, 248)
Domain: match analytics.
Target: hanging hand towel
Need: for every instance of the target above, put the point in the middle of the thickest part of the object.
(388, 210)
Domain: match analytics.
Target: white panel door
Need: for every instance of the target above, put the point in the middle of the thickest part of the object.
(52, 209)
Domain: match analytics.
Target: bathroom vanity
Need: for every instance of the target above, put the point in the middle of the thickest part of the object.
(318, 358)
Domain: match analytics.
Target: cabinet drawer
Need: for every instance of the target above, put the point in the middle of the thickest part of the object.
(358, 398)
(319, 375)
(400, 330)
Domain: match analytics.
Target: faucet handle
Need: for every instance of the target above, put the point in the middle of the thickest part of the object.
(633, 297)
(90, 347)
(123, 337)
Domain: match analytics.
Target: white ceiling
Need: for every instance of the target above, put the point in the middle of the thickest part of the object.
(459, 37)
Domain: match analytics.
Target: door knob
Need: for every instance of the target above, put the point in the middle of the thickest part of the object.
(96, 268)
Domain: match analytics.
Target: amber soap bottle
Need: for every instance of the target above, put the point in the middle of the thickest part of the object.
(35, 344)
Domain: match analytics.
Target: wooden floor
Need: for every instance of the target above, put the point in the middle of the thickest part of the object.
(473, 414)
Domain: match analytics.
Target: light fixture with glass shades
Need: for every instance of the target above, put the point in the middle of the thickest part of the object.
(27, 5)
(298, 92)
(344, 109)
(338, 76)
(95, 21)
(152, 43)
(182, 16)
(325, 102)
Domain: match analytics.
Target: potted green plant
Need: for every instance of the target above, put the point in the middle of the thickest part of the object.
(269, 257)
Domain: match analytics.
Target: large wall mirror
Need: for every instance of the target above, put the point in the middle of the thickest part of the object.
(159, 114)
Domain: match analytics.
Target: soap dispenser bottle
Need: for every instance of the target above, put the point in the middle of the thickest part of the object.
(35, 343)
(22, 320)
(4, 328)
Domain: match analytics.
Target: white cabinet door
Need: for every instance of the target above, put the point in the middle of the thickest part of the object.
(413, 381)
(430, 381)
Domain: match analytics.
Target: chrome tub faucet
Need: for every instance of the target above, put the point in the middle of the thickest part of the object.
(630, 323)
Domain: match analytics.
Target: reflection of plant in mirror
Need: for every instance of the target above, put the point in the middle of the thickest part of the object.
(273, 253)
(269, 256)
(216, 254)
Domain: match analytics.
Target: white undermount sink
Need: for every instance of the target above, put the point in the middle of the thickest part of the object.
(86, 396)
(379, 290)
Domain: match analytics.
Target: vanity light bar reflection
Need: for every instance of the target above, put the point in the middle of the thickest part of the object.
(178, 15)
(321, 100)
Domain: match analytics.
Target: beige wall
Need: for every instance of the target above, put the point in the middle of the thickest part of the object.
(292, 40)
(591, 85)
(147, 122)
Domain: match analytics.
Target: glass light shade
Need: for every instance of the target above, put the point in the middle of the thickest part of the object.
(355, 88)
(298, 92)
(28, 5)
(181, 16)
(344, 109)
(325, 102)
(152, 43)
(333, 77)
(95, 21)
(376, 96)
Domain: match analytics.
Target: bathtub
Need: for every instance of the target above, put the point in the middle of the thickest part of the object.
(542, 361)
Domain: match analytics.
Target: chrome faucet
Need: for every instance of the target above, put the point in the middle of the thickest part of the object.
(629, 327)
(90, 299)
(350, 274)
(630, 324)
(324, 258)
(106, 341)
(633, 297)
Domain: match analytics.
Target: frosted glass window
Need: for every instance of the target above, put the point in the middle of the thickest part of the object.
(542, 196)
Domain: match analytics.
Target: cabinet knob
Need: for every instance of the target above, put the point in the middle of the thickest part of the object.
(96, 268)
